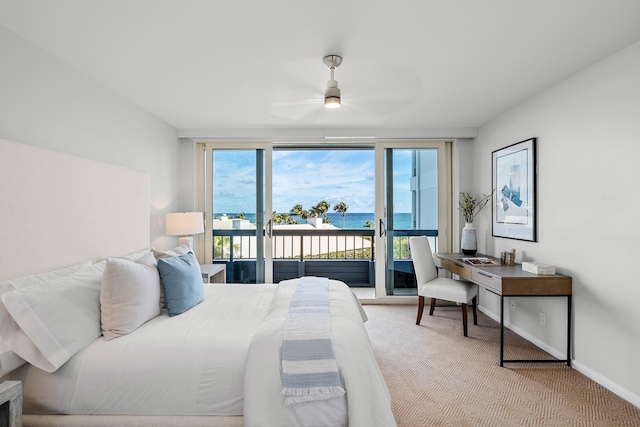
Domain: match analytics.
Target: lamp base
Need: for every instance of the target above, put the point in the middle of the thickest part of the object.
(186, 240)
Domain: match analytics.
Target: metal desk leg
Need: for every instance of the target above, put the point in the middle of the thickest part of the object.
(568, 330)
(501, 330)
(567, 361)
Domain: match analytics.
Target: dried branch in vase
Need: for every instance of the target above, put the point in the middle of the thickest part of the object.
(470, 206)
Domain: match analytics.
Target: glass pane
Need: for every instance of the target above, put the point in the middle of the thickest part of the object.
(411, 208)
(238, 213)
(323, 202)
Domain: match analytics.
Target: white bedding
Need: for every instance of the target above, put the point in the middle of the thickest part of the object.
(219, 358)
(191, 364)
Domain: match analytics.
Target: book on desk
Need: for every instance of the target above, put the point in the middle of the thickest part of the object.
(480, 261)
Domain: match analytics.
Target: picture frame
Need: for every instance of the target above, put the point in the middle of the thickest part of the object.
(514, 213)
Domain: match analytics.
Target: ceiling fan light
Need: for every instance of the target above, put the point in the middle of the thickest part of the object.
(332, 95)
(331, 102)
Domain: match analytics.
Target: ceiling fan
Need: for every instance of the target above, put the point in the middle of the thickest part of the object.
(332, 94)
(295, 97)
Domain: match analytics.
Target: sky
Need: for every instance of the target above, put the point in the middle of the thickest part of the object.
(308, 177)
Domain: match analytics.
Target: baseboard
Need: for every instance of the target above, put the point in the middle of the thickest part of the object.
(589, 373)
(558, 354)
(615, 388)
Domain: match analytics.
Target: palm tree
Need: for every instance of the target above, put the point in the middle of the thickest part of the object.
(290, 220)
(369, 224)
(322, 208)
(241, 215)
(277, 218)
(284, 217)
(342, 208)
(297, 211)
(315, 211)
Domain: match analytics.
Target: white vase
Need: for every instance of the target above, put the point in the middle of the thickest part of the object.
(469, 242)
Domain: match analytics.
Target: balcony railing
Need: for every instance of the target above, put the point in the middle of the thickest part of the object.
(346, 255)
(322, 244)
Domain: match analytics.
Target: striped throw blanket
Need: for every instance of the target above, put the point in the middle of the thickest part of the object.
(309, 368)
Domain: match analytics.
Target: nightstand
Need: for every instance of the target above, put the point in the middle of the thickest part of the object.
(214, 273)
(10, 403)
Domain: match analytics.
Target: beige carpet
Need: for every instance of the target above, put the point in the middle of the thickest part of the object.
(437, 377)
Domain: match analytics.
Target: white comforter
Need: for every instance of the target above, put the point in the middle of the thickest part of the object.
(191, 364)
(219, 358)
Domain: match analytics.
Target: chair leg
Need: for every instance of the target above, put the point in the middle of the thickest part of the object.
(432, 306)
(420, 309)
(464, 319)
(474, 301)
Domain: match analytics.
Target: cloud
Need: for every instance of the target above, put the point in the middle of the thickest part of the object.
(307, 177)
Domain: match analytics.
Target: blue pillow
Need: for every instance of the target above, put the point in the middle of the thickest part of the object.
(182, 282)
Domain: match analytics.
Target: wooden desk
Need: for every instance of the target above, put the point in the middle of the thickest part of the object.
(511, 281)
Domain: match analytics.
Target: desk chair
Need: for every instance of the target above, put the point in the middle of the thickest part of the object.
(434, 287)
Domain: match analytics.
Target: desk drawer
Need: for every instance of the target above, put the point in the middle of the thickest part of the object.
(459, 269)
(487, 279)
(440, 262)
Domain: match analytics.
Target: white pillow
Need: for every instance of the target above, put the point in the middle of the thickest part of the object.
(129, 296)
(134, 255)
(100, 265)
(10, 361)
(25, 282)
(51, 321)
(180, 250)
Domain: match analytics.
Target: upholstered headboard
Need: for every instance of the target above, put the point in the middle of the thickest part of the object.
(58, 210)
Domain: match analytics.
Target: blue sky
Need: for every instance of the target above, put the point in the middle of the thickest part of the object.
(307, 177)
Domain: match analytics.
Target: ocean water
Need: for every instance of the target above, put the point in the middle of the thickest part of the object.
(352, 220)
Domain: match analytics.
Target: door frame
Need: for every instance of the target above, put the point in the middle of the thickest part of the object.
(444, 206)
(205, 193)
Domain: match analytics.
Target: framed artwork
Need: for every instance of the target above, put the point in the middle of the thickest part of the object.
(514, 180)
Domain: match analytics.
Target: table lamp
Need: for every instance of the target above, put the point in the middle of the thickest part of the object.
(184, 224)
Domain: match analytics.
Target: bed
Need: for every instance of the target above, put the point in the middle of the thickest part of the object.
(221, 357)
(219, 362)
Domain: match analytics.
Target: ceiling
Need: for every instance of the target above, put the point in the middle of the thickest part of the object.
(256, 64)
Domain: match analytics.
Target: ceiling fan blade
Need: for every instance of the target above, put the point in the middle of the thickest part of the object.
(378, 97)
(294, 97)
(295, 110)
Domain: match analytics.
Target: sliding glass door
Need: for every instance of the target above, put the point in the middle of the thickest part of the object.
(414, 199)
(278, 211)
(323, 213)
(236, 200)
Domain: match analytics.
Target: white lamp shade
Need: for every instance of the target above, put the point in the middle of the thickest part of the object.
(184, 223)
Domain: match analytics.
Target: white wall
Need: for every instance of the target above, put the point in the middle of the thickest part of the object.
(462, 165)
(588, 130)
(45, 102)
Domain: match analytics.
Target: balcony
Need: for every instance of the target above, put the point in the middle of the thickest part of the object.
(346, 255)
